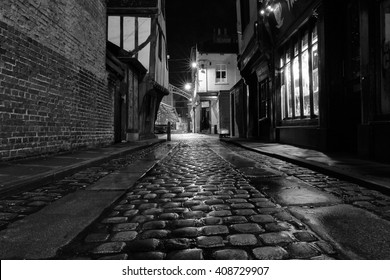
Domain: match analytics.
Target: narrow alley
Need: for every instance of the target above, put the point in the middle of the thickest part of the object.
(196, 197)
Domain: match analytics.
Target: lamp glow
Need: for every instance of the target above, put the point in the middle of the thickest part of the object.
(187, 86)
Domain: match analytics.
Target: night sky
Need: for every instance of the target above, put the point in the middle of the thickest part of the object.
(190, 22)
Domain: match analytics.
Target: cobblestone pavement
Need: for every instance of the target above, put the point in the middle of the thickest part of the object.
(350, 193)
(195, 205)
(18, 206)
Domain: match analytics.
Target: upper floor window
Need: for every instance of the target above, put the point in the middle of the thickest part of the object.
(131, 34)
(299, 65)
(221, 73)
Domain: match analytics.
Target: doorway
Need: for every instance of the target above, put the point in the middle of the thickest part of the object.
(120, 113)
(205, 126)
(264, 120)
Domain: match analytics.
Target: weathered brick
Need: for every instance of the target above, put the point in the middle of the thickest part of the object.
(302, 250)
(235, 220)
(186, 232)
(114, 220)
(242, 205)
(148, 256)
(109, 248)
(194, 214)
(124, 236)
(276, 238)
(262, 219)
(230, 254)
(221, 213)
(244, 212)
(215, 230)
(247, 228)
(184, 223)
(188, 254)
(270, 253)
(115, 257)
(242, 239)
(177, 243)
(125, 227)
(169, 216)
(305, 236)
(279, 226)
(144, 245)
(154, 225)
(155, 233)
(212, 221)
(209, 241)
(325, 247)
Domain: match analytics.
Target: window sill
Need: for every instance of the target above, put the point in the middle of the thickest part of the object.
(299, 122)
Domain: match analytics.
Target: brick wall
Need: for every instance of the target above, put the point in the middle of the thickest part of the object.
(54, 92)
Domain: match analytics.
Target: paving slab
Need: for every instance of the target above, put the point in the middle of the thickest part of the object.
(115, 181)
(366, 172)
(357, 233)
(39, 236)
(292, 191)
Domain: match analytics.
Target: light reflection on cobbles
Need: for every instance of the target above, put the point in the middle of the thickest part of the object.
(195, 205)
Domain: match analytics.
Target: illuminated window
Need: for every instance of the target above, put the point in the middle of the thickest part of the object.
(300, 76)
(221, 74)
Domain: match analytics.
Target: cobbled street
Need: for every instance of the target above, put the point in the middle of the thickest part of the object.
(195, 204)
(203, 198)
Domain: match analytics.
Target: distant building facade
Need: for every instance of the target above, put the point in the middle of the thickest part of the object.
(315, 74)
(215, 74)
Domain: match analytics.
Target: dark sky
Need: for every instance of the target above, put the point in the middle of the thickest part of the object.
(190, 22)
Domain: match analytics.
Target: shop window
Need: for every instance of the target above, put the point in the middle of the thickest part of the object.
(300, 76)
(221, 74)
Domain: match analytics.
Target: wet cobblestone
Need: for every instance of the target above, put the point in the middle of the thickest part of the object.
(195, 205)
(350, 193)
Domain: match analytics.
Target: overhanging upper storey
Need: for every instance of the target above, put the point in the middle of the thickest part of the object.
(132, 7)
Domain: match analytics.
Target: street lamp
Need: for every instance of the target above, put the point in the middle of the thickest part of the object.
(187, 86)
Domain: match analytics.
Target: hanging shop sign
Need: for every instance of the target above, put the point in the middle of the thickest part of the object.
(281, 14)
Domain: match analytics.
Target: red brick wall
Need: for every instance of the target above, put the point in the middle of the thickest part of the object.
(53, 83)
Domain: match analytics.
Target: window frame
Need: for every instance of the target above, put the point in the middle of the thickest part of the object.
(219, 69)
(293, 49)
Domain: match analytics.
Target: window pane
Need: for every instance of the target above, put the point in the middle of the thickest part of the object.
(144, 30)
(314, 35)
(129, 33)
(296, 49)
(315, 75)
(288, 90)
(306, 83)
(114, 30)
(282, 93)
(305, 41)
(296, 87)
